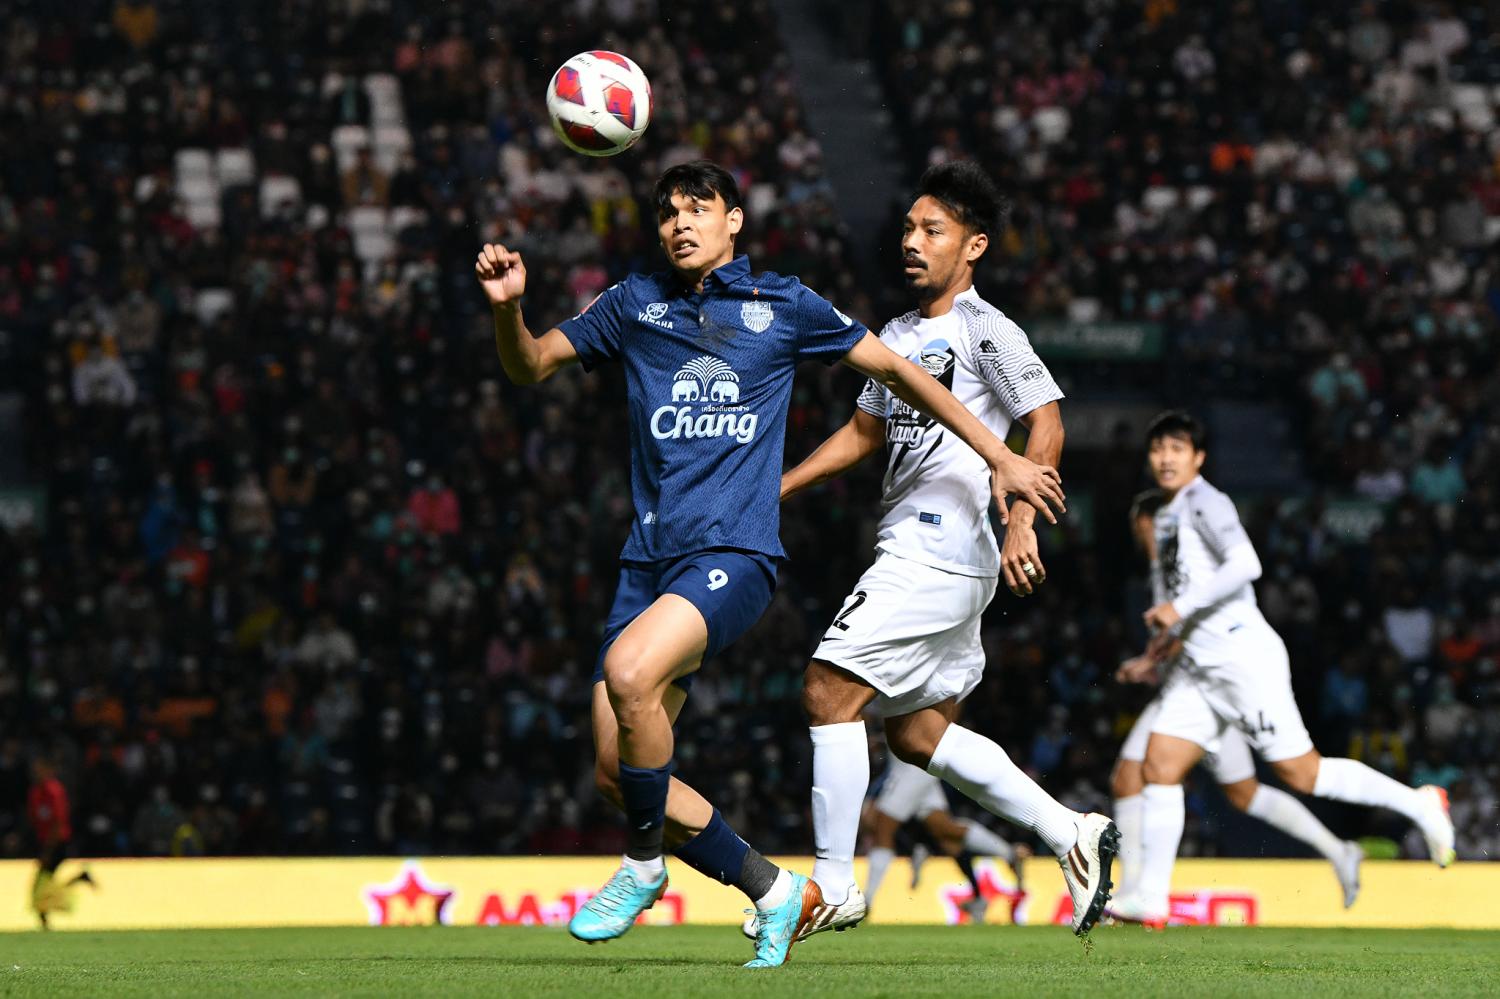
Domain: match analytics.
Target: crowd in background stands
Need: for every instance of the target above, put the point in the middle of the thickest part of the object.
(1307, 196)
(315, 579)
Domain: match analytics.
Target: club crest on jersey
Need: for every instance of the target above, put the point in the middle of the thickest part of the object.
(653, 314)
(708, 380)
(757, 316)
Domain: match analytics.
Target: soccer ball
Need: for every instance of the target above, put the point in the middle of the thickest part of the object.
(600, 103)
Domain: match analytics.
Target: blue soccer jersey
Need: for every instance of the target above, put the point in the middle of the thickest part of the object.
(709, 377)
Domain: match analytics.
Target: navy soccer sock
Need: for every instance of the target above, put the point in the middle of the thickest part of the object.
(644, 790)
(719, 853)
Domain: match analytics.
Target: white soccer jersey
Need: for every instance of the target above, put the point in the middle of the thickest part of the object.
(1197, 533)
(936, 496)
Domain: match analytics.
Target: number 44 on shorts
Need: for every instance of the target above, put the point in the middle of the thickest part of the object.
(1257, 725)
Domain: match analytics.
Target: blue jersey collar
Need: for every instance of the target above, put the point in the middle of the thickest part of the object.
(729, 273)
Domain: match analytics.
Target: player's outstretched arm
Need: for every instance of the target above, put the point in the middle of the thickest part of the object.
(849, 445)
(1009, 472)
(526, 359)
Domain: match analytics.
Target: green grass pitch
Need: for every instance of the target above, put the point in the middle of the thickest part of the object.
(703, 963)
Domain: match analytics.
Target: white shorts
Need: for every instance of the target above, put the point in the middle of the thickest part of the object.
(911, 632)
(910, 793)
(1227, 757)
(1252, 694)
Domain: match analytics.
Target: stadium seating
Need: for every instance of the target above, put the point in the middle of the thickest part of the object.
(238, 595)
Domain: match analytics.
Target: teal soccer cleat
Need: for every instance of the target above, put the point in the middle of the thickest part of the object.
(777, 929)
(614, 909)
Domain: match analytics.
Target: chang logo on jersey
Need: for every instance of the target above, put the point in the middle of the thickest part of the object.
(905, 426)
(653, 314)
(707, 380)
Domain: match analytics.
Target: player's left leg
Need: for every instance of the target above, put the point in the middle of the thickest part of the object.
(1234, 769)
(882, 852)
(1352, 781)
(1084, 844)
(694, 831)
(1257, 692)
(963, 840)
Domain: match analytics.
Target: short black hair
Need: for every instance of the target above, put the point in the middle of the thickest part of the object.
(701, 179)
(1178, 423)
(1146, 504)
(967, 191)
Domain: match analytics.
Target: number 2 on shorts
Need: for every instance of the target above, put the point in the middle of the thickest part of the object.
(850, 606)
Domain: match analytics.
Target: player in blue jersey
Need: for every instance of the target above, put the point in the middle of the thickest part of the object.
(709, 351)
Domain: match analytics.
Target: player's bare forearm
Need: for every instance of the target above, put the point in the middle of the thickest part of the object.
(1009, 472)
(849, 445)
(919, 390)
(1044, 446)
(515, 344)
(528, 359)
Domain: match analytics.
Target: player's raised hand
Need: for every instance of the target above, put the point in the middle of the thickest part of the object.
(501, 274)
(1036, 484)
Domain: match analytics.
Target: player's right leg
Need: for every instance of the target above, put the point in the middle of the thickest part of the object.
(834, 700)
(1168, 760)
(1126, 784)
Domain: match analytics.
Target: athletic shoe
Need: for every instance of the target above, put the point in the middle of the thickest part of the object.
(1438, 828)
(1086, 869)
(614, 909)
(777, 928)
(919, 855)
(1130, 910)
(1346, 866)
(844, 916)
(976, 907)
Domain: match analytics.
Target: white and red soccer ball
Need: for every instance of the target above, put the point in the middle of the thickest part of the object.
(600, 103)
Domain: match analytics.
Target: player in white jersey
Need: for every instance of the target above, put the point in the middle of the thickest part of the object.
(1228, 757)
(907, 637)
(1233, 673)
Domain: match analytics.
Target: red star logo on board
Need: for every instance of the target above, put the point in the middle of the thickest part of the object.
(408, 899)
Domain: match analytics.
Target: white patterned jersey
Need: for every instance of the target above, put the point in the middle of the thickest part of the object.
(1205, 565)
(935, 499)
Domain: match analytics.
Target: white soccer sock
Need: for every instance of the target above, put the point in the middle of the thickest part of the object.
(645, 871)
(880, 858)
(1163, 815)
(1352, 781)
(984, 841)
(1274, 806)
(841, 775)
(778, 891)
(979, 768)
(1128, 821)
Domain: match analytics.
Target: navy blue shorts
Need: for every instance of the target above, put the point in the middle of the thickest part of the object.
(730, 588)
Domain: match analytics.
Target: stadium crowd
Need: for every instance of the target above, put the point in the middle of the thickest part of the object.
(314, 578)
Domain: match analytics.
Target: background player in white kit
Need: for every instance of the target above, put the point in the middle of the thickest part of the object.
(1233, 672)
(907, 638)
(1228, 758)
(910, 794)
